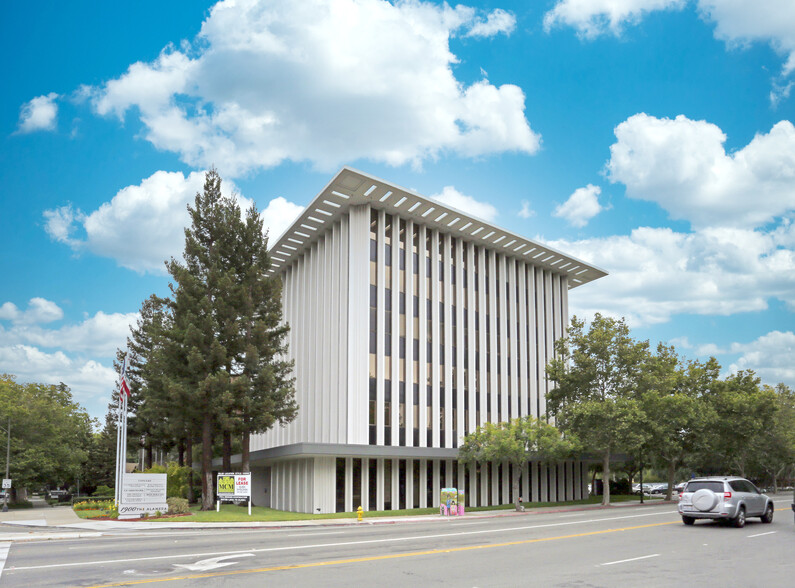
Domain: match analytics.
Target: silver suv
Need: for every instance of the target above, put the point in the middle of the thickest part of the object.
(725, 499)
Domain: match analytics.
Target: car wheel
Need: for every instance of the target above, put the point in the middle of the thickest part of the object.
(688, 520)
(739, 520)
(768, 516)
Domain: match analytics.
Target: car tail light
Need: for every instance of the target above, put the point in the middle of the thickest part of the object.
(727, 495)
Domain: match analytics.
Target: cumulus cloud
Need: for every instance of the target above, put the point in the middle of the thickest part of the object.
(40, 114)
(498, 21)
(682, 165)
(325, 82)
(70, 353)
(278, 216)
(737, 22)
(143, 225)
(770, 356)
(39, 311)
(740, 22)
(581, 206)
(657, 273)
(89, 380)
(455, 199)
(592, 18)
(98, 335)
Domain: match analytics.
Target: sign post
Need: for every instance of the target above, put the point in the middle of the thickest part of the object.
(233, 487)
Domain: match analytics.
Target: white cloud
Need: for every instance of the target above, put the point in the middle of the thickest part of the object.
(737, 22)
(771, 356)
(39, 310)
(656, 274)
(498, 21)
(681, 165)
(278, 216)
(100, 335)
(745, 21)
(455, 199)
(592, 18)
(581, 206)
(325, 82)
(39, 114)
(90, 381)
(143, 225)
(70, 353)
(526, 211)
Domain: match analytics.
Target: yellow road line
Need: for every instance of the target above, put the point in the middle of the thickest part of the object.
(376, 557)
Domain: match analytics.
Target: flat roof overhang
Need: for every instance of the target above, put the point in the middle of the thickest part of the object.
(351, 187)
(301, 450)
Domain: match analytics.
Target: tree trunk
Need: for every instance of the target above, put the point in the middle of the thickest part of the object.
(671, 474)
(606, 479)
(181, 453)
(246, 452)
(227, 451)
(207, 463)
(148, 456)
(189, 457)
(516, 471)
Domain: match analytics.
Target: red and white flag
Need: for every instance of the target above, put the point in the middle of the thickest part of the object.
(124, 388)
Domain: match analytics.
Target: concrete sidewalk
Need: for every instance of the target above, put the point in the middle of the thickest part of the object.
(48, 523)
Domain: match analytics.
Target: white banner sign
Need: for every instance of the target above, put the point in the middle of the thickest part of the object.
(143, 493)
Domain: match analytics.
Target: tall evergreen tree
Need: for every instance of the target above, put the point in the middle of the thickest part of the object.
(224, 346)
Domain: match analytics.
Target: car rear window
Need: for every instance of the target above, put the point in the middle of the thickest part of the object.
(699, 485)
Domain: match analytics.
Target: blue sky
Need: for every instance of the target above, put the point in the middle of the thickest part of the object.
(653, 138)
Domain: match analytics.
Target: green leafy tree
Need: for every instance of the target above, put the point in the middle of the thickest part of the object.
(776, 455)
(516, 442)
(743, 412)
(100, 465)
(50, 434)
(676, 416)
(597, 376)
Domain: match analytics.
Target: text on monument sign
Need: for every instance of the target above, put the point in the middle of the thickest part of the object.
(143, 493)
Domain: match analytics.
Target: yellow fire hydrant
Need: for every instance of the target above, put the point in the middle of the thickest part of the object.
(359, 513)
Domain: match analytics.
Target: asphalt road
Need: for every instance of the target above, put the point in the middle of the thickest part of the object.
(627, 546)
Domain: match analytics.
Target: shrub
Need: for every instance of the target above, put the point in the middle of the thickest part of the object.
(103, 490)
(93, 505)
(178, 505)
(177, 478)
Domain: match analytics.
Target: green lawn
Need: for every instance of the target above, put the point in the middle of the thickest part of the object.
(234, 513)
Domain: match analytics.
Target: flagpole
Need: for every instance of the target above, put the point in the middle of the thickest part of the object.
(121, 431)
(118, 448)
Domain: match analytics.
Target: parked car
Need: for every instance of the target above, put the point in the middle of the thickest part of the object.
(730, 499)
(659, 489)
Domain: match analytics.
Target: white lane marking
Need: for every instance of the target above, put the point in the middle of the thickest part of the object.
(212, 563)
(760, 534)
(346, 543)
(3, 555)
(311, 534)
(610, 563)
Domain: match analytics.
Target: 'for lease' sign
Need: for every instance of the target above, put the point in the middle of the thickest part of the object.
(234, 486)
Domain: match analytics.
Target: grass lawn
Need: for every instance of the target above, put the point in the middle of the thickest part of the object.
(234, 513)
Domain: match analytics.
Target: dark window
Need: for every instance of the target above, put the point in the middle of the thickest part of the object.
(694, 485)
(340, 484)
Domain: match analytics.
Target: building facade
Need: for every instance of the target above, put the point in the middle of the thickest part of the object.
(411, 325)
